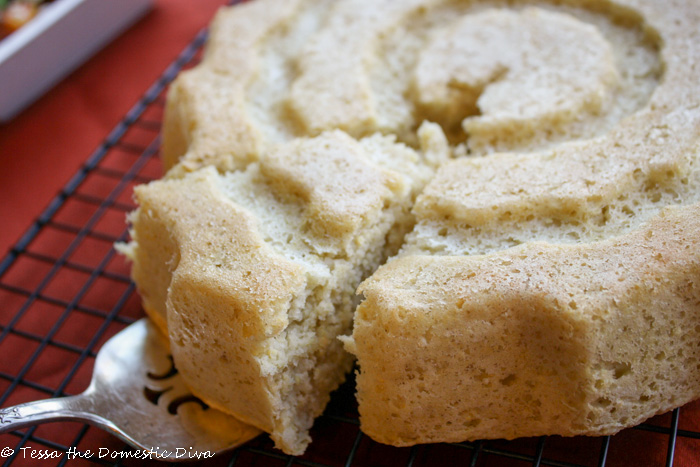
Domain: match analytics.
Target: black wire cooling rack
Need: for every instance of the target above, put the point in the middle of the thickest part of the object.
(64, 291)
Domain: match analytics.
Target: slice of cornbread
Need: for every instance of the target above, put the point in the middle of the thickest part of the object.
(253, 273)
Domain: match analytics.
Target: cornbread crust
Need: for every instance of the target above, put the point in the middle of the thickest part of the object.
(534, 340)
(548, 293)
(206, 113)
(252, 273)
(167, 230)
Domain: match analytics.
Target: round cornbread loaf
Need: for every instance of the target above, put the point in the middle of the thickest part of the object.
(549, 283)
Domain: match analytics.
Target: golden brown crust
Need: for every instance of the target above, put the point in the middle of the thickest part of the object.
(229, 248)
(207, 114)
(222, 272)
(570, 182)
(540, 339)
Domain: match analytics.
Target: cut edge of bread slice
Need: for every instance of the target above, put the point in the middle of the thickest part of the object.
(253, 273)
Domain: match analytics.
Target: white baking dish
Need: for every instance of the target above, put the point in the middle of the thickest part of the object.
(61, 37)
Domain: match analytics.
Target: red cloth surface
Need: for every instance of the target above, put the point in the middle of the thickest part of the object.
(45, 145)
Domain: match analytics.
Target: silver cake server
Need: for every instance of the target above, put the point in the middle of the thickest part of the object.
(137, 395)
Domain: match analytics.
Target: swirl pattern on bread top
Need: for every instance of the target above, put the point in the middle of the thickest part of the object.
(496, 75)
(548, 281)
(549, 292)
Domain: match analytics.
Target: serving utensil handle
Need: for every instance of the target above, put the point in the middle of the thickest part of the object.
(48, 410)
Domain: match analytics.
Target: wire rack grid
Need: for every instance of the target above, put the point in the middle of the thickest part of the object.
(64, 291)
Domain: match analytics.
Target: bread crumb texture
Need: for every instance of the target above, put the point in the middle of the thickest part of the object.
(529, 168)
(253, 273)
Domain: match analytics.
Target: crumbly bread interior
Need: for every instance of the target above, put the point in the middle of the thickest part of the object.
(262, 268)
